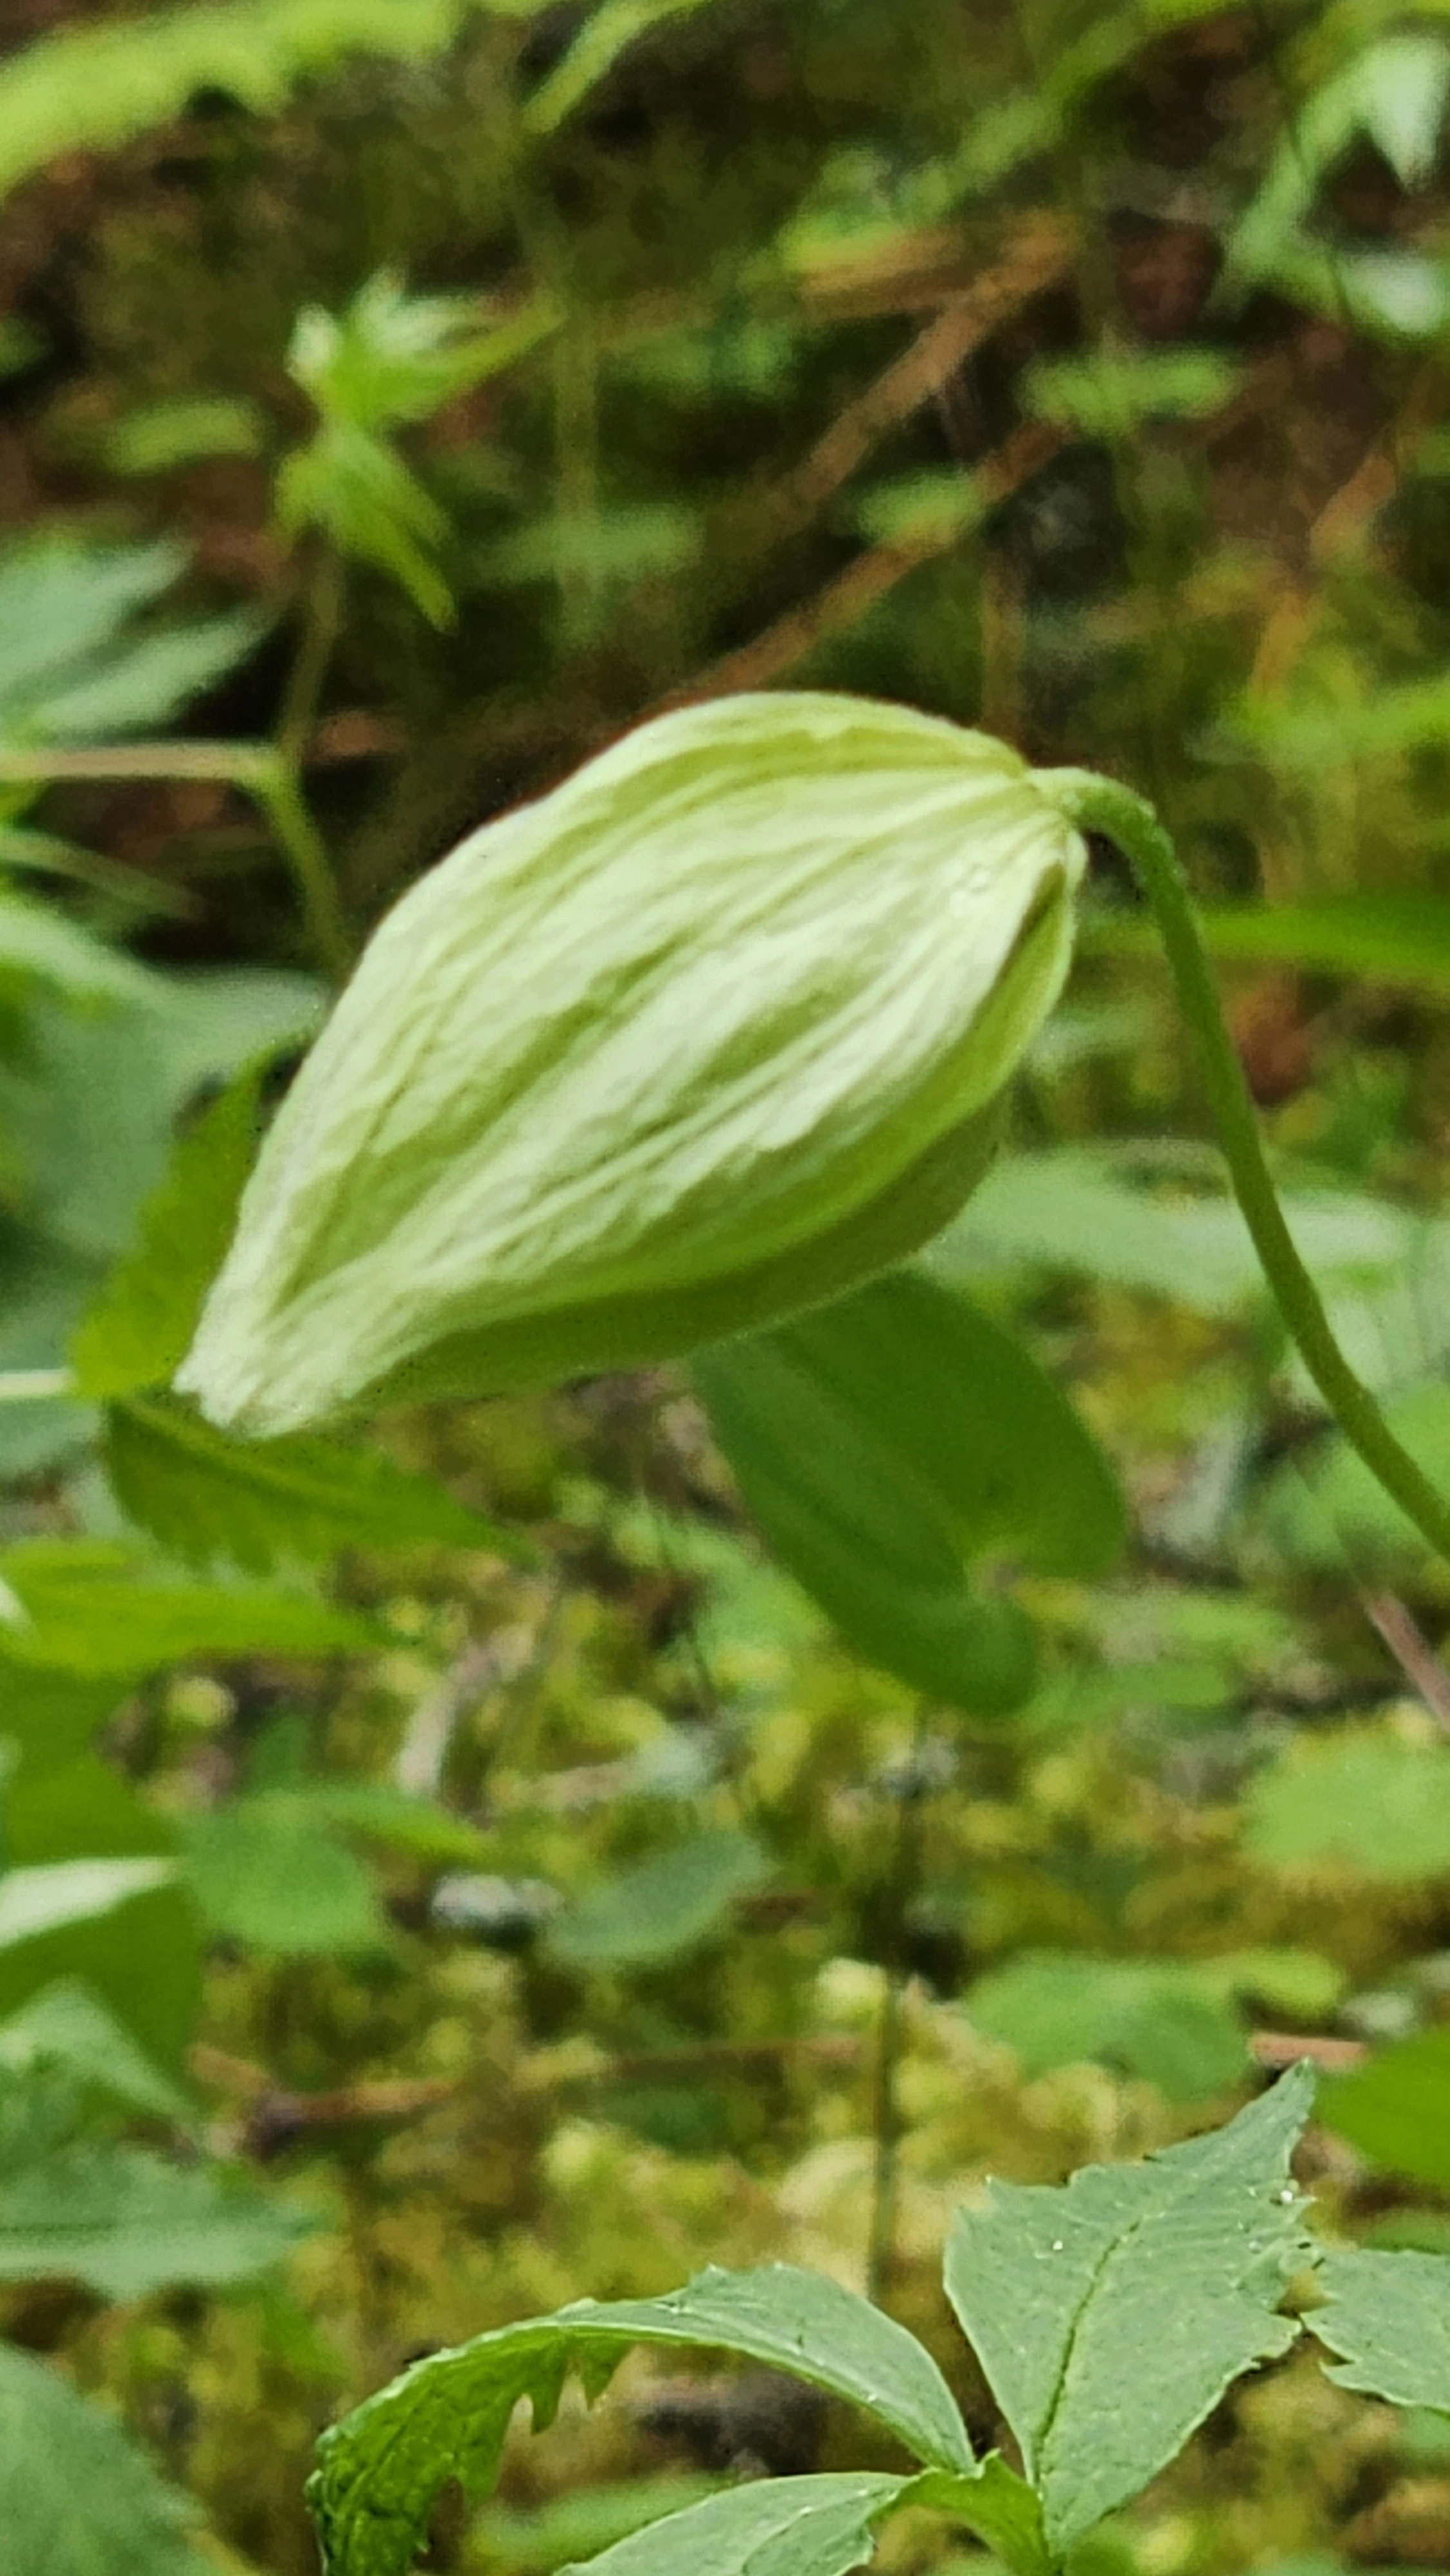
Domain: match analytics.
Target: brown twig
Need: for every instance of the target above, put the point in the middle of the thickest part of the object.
(1275, 2050)
(1412, 1651)
(1034, 259)
(788, 639)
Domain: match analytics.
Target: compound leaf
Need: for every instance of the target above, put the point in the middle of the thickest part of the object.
(816, 2526)
(75, 2497)
(1388, 2318)
(1182, 2258)
(380, 2469)
(67, 2026)
(126, 2223)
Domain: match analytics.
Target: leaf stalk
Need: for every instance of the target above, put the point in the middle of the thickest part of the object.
(1106, 806)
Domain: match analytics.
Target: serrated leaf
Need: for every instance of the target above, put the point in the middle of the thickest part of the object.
(125, 2223)
(809, 2526)
(73, 666)
(70, 2027)
(1396, 2108)
(881, 1443)
(92, 1607)
(210, 1500)
(380, 2469)
(75, 2497)
(1359, 1801)
(1183, 2259)
(662, 1909)
(56, 1893)
(1388, 2319)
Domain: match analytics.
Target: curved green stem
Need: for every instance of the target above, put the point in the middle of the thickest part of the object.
(280, 794)
(1103, 805)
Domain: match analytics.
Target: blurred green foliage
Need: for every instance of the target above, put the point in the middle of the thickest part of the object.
(500, 1882)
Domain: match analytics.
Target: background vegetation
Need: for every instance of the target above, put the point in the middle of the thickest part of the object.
(448, 1877)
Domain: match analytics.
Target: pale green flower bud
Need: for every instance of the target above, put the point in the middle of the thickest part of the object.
(697, 1041)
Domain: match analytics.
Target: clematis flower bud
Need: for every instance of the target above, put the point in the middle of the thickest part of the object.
(696, 1041)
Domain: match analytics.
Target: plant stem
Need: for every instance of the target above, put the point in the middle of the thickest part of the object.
(321, 621)
(258, 769)
(35, 1386)
(287, 809)
(1104, 805)
(886, 2122)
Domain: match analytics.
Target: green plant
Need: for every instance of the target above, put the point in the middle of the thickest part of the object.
(1110, 2316)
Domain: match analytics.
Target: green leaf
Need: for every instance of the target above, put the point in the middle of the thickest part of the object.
(137, 1333)
(1107, 394)
(1358, 1800)
(44, 1289)
(1388, 2318)
(70, 2027)
(664, 1908)
(143, 1959)
(711, 1032)
(75, 2498)
(606, 33)
(1393, 938)
(1180, 2260)
(1392, 90)
(998, 2506)
(91, 1111)
(1396, 2108)
(585, 2520)
(1159, 2018)
(373, 508)
(1070, 1210)
(52, 1717)
(377, 1813)
(210, 1500)
(39, 1900)
(89, 1606)
(265, 1873)
(811, 2526)
(882, 1441)
(155, 438)
(87, 89)
(380, 2469)
(125, 2223)
(73, 665)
